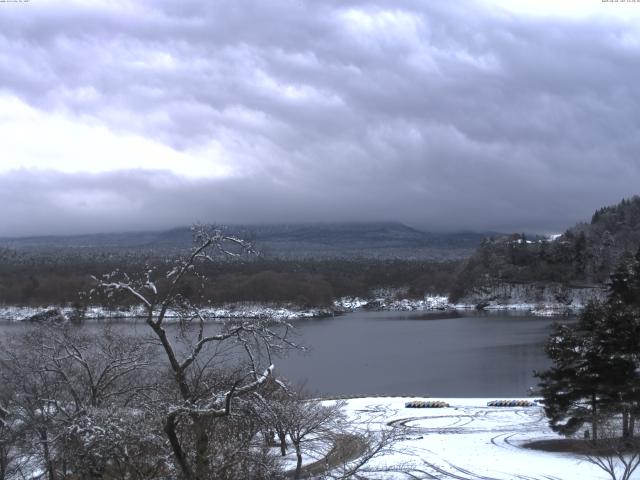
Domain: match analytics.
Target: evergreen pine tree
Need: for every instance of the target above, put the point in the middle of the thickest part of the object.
(596, 362)
(619, 284)
(574, 388)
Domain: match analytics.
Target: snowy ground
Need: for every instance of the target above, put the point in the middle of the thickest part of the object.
(469, 441)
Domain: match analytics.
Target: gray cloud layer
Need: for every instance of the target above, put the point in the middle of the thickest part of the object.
(444, 115)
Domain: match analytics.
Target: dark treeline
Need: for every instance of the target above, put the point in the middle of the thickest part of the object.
(38, 279)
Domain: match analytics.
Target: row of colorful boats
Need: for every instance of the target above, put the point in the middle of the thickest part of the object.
(493, 403)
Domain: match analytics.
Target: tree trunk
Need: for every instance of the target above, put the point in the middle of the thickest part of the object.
(202, 451)
(181, 458)
(283, 443)
(594, 418)
(4, 462)
(299, 460)
(625, 422)
(47, 454)
(632, 425)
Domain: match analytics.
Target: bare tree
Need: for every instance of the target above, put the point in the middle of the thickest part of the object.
(310, 422)
(237, 449)
(272, 408)
(38, 404)
(6, 443)
(99, 369)
(618, 457)
(115, 443)
(357, 452)
(320, 429)
(12, 459)
(200, 397)
(56, 375)
(360, 448)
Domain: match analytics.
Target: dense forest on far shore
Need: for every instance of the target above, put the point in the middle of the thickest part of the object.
(47, 279)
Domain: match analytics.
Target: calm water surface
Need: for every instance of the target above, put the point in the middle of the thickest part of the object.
(465, 354)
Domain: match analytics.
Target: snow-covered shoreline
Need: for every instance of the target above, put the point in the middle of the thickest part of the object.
(432, 303)
(544, 299)
(290, 312)
(252, 311)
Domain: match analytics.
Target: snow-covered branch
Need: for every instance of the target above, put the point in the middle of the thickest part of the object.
(126, 287)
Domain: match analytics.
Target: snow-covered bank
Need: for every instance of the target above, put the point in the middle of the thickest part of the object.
(468, 440)
(291, 312)
(350, 304)
(540, 298)
(236, 311)
(431, 303)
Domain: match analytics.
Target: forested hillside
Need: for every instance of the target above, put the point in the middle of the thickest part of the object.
(585, 255)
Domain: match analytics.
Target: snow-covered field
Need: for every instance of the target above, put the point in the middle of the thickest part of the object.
(468, 441)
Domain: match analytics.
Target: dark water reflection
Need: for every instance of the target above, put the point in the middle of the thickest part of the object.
(466, 354)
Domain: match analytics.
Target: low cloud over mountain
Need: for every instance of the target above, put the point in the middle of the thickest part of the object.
(449, 116)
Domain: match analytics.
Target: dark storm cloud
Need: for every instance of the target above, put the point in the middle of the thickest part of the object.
(445, 116)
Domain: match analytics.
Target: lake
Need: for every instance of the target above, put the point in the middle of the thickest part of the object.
(461, 354)
(453, 354)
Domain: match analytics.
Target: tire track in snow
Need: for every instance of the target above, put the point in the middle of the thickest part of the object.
(473, 419)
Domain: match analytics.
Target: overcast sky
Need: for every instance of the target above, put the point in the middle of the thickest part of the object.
(466, 115)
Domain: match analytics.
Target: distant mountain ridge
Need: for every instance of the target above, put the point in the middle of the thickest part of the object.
(304, 240)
